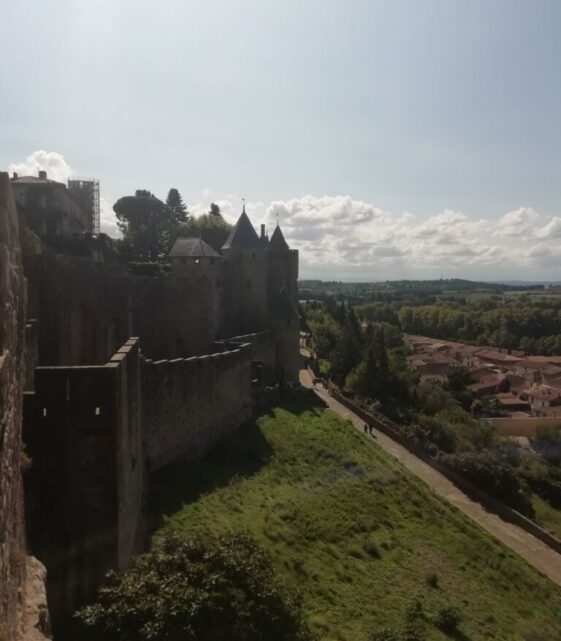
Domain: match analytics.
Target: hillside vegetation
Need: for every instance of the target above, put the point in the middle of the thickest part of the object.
(366, 543)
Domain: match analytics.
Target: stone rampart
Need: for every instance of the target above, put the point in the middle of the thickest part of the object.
(190, 404)
(85, 310)
(12, 326)
(263, 353)
(85, 489)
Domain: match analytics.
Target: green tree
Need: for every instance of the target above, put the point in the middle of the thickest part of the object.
(214, 230)
(148, 225)
(215, 210)
(175, 202)
(346, 354)
(195, 591)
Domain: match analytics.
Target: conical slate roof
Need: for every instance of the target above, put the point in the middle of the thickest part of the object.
(243, 236)
(277, 240)
(194, 247)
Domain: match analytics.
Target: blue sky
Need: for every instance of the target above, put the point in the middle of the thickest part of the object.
(418, 125)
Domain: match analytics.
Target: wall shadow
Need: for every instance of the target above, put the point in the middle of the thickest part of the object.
(242, 454)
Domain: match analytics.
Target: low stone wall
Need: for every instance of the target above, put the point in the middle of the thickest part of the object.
(522, 426)
(490, 503)
(191, 403)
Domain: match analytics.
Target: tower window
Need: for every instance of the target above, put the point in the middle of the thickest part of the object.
(197, 261)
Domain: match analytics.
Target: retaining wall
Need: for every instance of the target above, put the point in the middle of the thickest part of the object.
(522, 426)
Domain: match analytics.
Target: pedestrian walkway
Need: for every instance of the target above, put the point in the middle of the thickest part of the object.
(536, 553)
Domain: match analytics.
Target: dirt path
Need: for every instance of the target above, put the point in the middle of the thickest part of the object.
(536, 553)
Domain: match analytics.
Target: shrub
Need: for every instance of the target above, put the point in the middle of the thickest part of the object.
(147, 269)
(197, 591)
(371, 549)
(432, 579)
(491, 476)
(448, 619)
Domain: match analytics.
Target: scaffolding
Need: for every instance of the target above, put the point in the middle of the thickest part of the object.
(86, 191)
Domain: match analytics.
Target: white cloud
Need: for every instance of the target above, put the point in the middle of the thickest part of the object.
(517, 223)
(50, 161)
(342, 238)
(551, 230)
(108, 220)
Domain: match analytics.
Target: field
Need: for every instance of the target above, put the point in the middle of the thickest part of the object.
(353, 531)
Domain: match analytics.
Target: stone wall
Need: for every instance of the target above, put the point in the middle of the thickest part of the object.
(85, 490)
(12, 324)
(85, 310)
(263, 353)
(190, 404)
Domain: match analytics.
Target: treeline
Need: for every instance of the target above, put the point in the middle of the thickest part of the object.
(370, 363)
(367, 360)
(150, 226)
(530, 326)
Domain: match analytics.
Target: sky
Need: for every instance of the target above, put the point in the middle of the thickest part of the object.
(393, 138)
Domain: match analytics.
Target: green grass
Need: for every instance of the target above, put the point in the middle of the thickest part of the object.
(354, 531)
(547, 516)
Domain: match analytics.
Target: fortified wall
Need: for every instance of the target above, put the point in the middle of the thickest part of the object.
(12, 311)
(192, 403)
(95, 431)
(85, 489)
(102, 410)
(88, 309)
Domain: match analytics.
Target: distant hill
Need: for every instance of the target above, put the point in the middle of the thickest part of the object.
(309, 288)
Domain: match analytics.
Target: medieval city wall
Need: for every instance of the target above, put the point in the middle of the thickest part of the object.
(263, 353)
(12, 312)
(85, 508)
(190, 404)
(87, 309)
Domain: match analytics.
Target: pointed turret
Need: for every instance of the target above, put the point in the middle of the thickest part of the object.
(242, 236)
(277, 240)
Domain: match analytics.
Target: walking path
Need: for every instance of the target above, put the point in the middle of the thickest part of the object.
(536, 553)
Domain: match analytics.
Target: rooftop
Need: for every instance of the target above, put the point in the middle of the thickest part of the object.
(193, 247)
(243, 236)
(277, 240)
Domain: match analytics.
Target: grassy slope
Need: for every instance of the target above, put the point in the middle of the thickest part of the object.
(317, 494)
(547, 516)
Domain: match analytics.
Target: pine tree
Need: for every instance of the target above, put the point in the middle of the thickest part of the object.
(175, 202)
(215, 210)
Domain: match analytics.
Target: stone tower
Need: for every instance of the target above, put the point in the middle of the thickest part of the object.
(194, 305)
(283, 304)
(245, 280)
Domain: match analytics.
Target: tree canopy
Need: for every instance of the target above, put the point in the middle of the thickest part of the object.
(195, 591)
(214, 210)
(148, 225)
(175, 202)
(212, 229)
